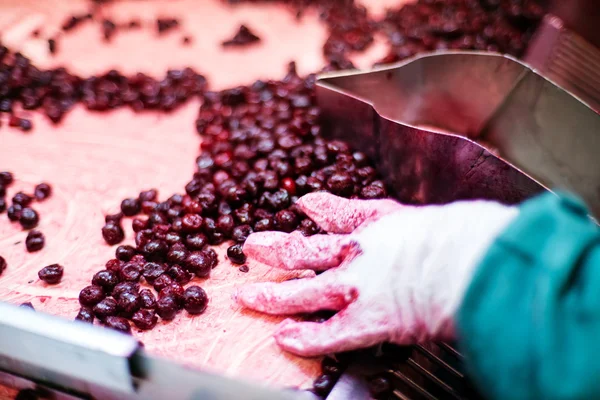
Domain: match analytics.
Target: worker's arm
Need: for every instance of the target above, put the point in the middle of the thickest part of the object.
(519, 287)
(530, 321)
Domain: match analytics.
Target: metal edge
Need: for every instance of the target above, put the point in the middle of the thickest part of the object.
(61, 353)
(322, 79)
(324, 82)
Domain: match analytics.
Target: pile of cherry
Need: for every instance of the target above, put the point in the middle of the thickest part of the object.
(56, 91)
(503, 26)
(261, 150)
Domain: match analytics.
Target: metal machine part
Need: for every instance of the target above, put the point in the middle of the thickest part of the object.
(546, 138)
(452, 126)
(77, 360)
(423, 372)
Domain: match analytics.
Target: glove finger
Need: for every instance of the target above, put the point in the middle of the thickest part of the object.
(345, 331)
(339, 215)
(323, 292)
(296, 251)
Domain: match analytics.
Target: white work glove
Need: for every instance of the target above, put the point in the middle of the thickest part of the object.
(395, 273)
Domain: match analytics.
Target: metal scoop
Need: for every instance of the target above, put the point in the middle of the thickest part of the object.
(462, 125)
(465, 125)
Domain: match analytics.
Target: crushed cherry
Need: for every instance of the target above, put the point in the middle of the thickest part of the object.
(51, 274)
(162, 282)
(3, 265)
(152, 270)
(29, 218)
(167, 308)
(119, 324)
(129, 302)
(145, 319)
(147, 299)
(243, 36)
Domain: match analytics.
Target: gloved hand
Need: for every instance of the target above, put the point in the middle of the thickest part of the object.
(395, 273)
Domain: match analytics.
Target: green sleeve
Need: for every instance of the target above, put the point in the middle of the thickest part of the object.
(529, 324)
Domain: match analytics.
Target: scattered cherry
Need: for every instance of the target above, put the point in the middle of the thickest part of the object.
(241, 232)
(124, 287)
(179, 274)
(85, 315)
(35, 241)
(195, 300)
(113, 233)
(236, 254)
(105, 308)
(130, 207)
(42, 191)
(147, 299)
(51, 274)
(152, 270)
(131, 272)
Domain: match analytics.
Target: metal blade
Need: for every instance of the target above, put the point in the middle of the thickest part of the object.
(85, 361)
(162, 379)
